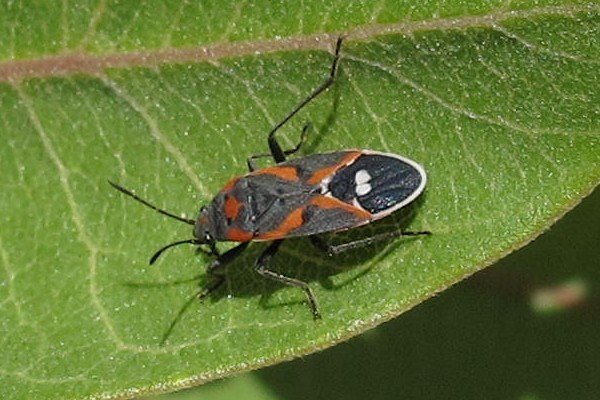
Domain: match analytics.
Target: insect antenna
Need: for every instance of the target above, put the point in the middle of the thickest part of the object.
(147, 204)
(159, 252)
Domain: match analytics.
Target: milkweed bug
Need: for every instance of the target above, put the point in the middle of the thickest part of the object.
(315, 194)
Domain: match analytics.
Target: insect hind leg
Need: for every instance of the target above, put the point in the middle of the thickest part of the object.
(262, 268)
(251, 160)
(276, 152)
(355, 244)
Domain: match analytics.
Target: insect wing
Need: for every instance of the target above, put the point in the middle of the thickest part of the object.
(379, 183)
(320, 214)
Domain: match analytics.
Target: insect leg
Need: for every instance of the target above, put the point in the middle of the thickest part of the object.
(217, 269)
(262, 268)
(276, 152)
(251, 164)
(355, 244)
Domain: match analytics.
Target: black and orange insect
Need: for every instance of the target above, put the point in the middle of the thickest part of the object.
(319, 193)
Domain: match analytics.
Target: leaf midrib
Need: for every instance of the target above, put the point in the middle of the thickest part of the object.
(94, 64)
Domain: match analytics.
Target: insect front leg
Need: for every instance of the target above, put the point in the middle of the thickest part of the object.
(251, 160)
(217, 269)
(262, 268)
(355, 244)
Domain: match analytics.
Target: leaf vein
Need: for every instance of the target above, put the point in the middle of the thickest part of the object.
(156, 133)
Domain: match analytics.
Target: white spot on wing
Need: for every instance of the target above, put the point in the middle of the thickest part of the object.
(361, 177)
(362, 189)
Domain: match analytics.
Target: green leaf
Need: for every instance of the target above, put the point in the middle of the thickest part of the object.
(491, 335)
(500, 107)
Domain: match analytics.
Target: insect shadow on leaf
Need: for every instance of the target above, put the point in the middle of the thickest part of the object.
(241, 282)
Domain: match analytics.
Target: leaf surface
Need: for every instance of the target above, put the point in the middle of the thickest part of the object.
(501, 109)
